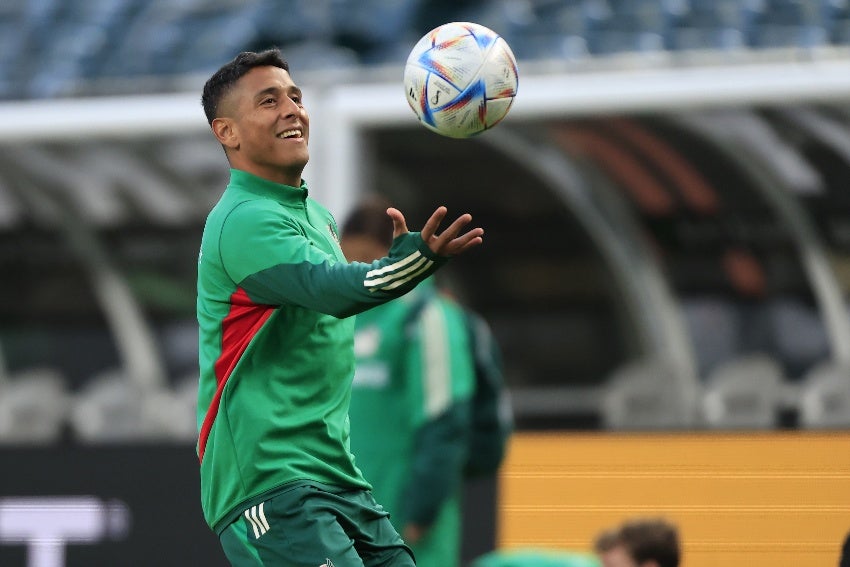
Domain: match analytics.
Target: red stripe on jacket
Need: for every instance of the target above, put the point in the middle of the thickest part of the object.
(238, 328)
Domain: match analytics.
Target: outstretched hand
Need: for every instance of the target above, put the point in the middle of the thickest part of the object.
(450, 242)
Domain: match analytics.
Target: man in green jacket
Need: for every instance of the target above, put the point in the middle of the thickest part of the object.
(410, 402)
(275, 299)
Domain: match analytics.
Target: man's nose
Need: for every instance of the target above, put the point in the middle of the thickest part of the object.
(289, 108)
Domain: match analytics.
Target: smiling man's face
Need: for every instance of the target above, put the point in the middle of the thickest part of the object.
(264, 126)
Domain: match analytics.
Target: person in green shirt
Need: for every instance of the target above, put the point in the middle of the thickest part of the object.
(275, 300)
(410, 404)
(636, 542)
(536, 558)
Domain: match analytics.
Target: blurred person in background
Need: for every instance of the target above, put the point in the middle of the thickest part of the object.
(640, 543)
(275, 299)
(416, 431)
(635, 543)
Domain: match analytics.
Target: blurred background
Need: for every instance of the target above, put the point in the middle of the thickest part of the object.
(667, 263)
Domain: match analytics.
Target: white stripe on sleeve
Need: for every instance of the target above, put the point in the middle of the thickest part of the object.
(397, 278)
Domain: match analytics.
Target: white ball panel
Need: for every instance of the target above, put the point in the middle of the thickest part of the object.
(497, 108)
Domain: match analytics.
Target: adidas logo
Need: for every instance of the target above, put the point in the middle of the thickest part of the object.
(327, 563)
(257, 518)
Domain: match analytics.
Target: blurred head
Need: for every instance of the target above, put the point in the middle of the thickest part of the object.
(639, 543)
(256, 112)
(367, 233)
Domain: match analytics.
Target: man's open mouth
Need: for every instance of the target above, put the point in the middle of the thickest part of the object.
(290, 134)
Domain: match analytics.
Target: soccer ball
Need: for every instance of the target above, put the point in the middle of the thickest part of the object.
(460, 79)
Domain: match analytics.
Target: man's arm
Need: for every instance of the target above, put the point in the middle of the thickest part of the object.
(267, 256)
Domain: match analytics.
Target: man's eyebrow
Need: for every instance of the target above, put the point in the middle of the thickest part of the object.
(276, 90)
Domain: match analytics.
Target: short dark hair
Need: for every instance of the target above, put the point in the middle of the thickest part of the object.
(606, 541)
(369, 218)
(223, 80)
(651, 539)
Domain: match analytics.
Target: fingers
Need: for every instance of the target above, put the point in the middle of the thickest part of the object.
(454, 228)
(448, 243)
(464, 242)
(433, 223)
(399, 224)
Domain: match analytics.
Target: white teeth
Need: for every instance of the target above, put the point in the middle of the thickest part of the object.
(290, 134)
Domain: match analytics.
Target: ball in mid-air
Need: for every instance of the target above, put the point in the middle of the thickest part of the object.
(461, 79)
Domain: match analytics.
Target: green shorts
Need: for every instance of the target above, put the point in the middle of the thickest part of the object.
(310, 526)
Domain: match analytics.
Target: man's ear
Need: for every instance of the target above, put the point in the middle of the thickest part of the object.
(225, 132)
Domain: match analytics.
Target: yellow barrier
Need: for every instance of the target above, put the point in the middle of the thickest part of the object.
(739, 499)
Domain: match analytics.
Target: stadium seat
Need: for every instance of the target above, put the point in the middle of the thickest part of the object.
(744, 393)
(543, 29)
(707, 25)
(297, 20)
(33, 407)
(112, 408)
(825, 397)
(837, 21)
(648, 394)
(799, 335)
(319, 55)
(203, 47)
(788, 23)
(626, 26)
(354, 27)
(62, 57)
(715, 326)
(169, 414)
(108, 409)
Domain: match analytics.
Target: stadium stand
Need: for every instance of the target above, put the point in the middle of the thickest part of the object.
(80, 47)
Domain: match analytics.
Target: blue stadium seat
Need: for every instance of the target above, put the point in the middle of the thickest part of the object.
(708, 25)
(61, 59)
(375, 28)
(11, 38)
(546, 29)
(836, 15)
(209, 40)
(294, 21)
(111, 17)
(158, 37)
(618, 26)
(788, 23)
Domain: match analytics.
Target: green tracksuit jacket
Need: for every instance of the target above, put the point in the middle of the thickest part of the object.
(275, 299)
(410, 415)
